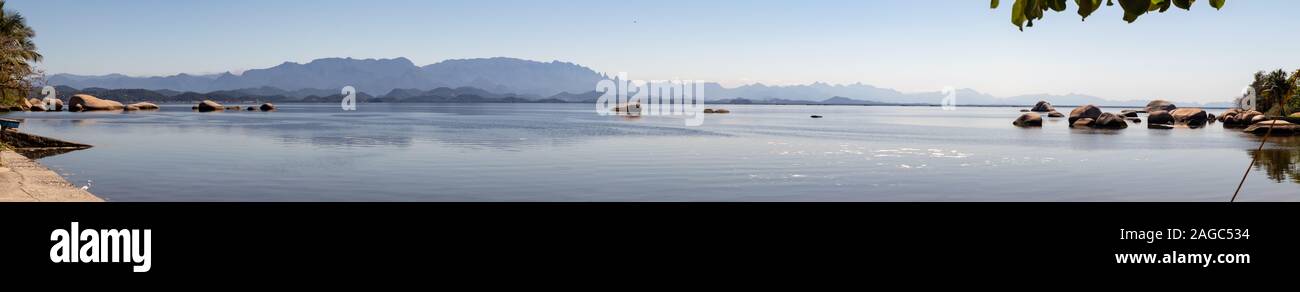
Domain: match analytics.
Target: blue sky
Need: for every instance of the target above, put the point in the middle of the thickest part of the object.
(1202, 55)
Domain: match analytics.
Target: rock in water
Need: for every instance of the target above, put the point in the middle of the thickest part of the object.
(1055, 114)
(1129, 113)
(816, 116)
(210, 106)
(58, 105)
(1229, 113)
(1025, 110)
(1110, 121)
(266, 107)
(1189, 116)
(1160, 118)
(1238, 118)
(1160, 126)
(1029, 120)
(85, 103)
(131, 108)
(1279, 128)
(1043, 107)
(1258, 118)
(251, 108)
(144, 106)
(37, 105)
(1160, 105)
(1082, 123)
(1085, 112)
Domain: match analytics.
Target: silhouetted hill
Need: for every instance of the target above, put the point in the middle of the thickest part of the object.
(396, 80)
(373, 76)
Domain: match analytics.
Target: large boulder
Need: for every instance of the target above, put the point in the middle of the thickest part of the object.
(1043, 107)
(1085, 112)
(37, 105)
(1277, 128)
(86, 102)
(210, 106)
(1190, 116)
(1228, 113)
(1160, 118)
(144, 106)
(1110, 121)
(1258, 118)
(1055, 114)
(1160, 105)
(1029, 120)
(1239, 117)
(266, 107)
(58, 106)
(22, 105)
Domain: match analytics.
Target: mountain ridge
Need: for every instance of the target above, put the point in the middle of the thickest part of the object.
(521, 78)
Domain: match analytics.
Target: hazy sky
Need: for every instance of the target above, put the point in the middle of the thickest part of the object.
(1201, 55)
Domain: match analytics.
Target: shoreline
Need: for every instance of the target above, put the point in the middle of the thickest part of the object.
(25, 180)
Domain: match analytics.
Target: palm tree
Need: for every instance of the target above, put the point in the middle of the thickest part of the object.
(17, 53)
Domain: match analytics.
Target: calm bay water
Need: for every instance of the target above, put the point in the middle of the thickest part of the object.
(564, 152)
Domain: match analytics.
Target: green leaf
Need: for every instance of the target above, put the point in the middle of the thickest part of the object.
(1018, 14)
(1184, 4)
(993, 5)
(1056, 5)
(1163, 6)
(1087, 7)
(1134, 8)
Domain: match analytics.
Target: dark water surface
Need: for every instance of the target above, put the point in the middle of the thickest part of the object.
(564, 152)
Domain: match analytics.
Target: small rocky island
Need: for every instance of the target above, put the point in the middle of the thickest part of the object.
(1161, 115)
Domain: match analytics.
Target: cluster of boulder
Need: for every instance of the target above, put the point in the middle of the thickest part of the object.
(212, 106)
(1046, 107)
(88, 103)
(1161, 114)
(1091, 116)
(78, 103)
(35, 105)
(1241, 118)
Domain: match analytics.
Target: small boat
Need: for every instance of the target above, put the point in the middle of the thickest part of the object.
(6, 124)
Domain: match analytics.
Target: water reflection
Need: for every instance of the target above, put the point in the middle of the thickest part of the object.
(38, 153)
(1280, 159)
(349, 141)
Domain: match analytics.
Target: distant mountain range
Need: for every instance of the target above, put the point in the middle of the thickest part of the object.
(491, 79)
(375, 77)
